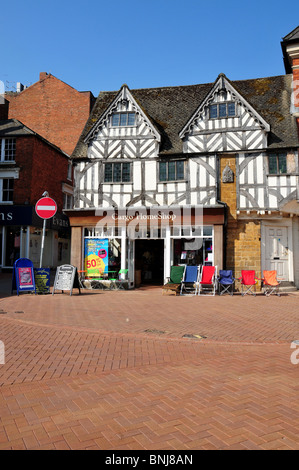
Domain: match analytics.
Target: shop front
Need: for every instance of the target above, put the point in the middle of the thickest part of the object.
(21, 234)
(146, 242)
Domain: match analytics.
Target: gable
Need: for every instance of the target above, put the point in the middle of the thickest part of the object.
(224, 121)
(137, 136)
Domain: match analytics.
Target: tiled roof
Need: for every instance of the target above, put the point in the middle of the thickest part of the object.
(171, 107)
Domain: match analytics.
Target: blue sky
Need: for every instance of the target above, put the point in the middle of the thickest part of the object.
(99, 45)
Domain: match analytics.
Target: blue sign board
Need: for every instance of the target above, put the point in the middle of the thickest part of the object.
(42, 280)
(23, 276)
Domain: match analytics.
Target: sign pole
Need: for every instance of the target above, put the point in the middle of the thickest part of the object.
(43, 243)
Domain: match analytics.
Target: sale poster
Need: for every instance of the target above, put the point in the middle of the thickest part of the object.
(25, 277)
(95, 256)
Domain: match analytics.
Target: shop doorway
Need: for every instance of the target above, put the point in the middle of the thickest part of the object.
(149, 262)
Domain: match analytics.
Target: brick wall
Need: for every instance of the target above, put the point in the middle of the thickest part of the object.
(243, 246)
(42, 168)
(52, 109)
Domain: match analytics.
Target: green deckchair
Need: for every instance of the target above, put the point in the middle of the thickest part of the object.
(173, 283)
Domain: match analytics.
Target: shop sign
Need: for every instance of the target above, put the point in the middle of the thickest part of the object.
(23, 276)
(42, 280)
(96, 256)
(66, 278)
(15, 215)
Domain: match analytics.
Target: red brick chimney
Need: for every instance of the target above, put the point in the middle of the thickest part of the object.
(43, 75)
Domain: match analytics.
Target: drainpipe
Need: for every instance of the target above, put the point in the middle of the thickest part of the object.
(218, 195)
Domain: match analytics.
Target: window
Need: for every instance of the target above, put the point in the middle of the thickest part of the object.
(123, 119)
(277, 163)
(222, 110)
(117, 173)
(67, 201)
(6, 189)
(7, 150)
(171, 171)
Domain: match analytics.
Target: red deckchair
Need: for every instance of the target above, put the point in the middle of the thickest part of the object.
(208, 280)
(248, 282)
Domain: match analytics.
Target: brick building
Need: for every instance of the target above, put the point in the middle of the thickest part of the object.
(29, 165)
(53, 109)
(228, 149)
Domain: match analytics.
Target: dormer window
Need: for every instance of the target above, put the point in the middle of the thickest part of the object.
(123, 119)
(222, 110)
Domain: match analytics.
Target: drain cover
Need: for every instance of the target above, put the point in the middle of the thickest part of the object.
(194, 336)
(19, 311)
(159, 332)
(2, 311)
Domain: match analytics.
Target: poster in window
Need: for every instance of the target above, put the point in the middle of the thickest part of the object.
(95, 256)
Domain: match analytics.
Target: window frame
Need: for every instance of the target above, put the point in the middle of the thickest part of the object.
(120, 114)
(277, 156)
(218, 106)
(113, 181)
(4, 151)
(9, 190)
(167, 163)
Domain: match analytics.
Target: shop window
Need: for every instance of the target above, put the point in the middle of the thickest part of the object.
(277, 163)
(172, 170)
(193, 251)
(117, 173)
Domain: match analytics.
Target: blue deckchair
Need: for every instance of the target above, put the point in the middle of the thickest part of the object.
(226, 282)
(189, 285)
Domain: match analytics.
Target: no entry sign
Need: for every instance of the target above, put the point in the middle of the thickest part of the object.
(46, 208)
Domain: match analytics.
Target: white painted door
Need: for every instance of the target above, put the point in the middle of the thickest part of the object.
(277, 252)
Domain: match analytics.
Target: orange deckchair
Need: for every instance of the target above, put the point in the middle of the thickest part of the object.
(271, 283)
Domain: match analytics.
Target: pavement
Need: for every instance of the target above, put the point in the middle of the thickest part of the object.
(138, 370)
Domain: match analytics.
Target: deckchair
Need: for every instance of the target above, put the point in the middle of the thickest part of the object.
(208, 280)
(271, 283)
(189, 284)
(248, 282)
(173, 283)
(226, 282)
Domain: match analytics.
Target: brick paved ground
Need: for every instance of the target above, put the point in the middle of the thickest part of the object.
(113, 371)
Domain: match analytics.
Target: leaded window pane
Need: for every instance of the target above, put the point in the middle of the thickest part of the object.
(131, 119)
(162, 171)
(117, 172)
(222, 110)
(180, 170)
(108, 172)
(282, 163)
(272, 164)
(126, 175)
(171, 171)
(231, 109)
(213, 111)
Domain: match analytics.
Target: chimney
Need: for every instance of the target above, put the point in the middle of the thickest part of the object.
(290, 49)
(43, 75)
(20, 87)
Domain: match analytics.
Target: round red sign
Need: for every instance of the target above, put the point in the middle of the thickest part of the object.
(46, 208)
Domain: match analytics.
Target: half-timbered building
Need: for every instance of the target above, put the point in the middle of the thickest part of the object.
(199, 174)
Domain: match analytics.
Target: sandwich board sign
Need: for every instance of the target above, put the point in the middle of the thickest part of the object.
(42, 280)
(23, 276)
(66, 278)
